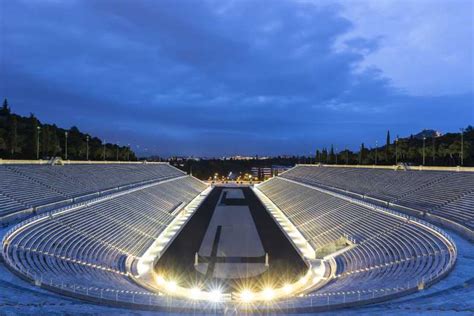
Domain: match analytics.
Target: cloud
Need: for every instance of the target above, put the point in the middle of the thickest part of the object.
(426, 46)
(213, 77)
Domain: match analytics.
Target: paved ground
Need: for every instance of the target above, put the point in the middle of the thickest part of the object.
(232, 237)
(246, 233)
(232, 193)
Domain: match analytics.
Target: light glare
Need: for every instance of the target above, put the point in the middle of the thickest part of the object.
(268, 294)
(246, 295)
(171, 286)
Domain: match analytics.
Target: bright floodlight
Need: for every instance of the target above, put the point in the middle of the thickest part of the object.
(171, 286)
(160, 280)
(196, 293)
(246, 295)
(288, 288)
(268, 294)
(215, 295)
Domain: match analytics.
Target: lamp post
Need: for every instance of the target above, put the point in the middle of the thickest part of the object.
(424, 140)
(65, 145)
(118, 144)
(462, 147)
(376, 145)
(87, 147)
(38, 142)
(347, 156)
(396, 151)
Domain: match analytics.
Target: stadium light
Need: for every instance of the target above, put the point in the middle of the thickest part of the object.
(171, 286)
(160, 280)
(38, 142)
(87, 147)
(288, 288)
(268, 294)
(65, 145)
(196, 293)
(462, 146)
(246, 296)
(376, 151)
(215, 295)
(424, 140)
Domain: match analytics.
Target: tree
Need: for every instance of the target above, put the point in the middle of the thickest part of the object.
(5, 109)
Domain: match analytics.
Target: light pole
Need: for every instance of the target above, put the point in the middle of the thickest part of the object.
(396, 151)
(462, 146)
(347, 156)
(87, 147)
(118, 144)
(38, 142)
(65, 145)
(376, 144)
(424, 140)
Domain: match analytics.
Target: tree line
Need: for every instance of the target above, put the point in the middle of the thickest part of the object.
(438, 151)
(27, 138)
(451, 149)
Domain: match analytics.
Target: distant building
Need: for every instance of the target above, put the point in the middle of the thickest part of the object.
(263, 173)
(428, 133)
(278, 169)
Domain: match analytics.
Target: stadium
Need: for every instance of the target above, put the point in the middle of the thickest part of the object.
(237, 157)
(147, 236)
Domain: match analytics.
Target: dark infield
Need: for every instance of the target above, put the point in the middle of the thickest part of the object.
(177, 262)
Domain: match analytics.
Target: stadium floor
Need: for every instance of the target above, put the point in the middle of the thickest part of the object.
(285, 263)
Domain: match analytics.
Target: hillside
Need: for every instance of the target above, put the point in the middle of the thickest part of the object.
(27, 138)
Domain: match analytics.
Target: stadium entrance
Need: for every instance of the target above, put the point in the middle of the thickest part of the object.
(231, 242)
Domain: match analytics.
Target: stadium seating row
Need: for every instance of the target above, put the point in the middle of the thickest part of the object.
(31, 186)
(446, 194)
(88, 247)
(389, 250)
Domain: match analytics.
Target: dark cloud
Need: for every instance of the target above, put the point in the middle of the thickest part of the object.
(206, 77)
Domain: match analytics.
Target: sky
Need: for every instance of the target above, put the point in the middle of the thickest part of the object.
(216, 77)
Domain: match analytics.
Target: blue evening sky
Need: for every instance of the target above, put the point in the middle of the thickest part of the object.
(217, 77)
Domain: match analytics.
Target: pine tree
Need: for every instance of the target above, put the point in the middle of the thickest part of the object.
(5, 109)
